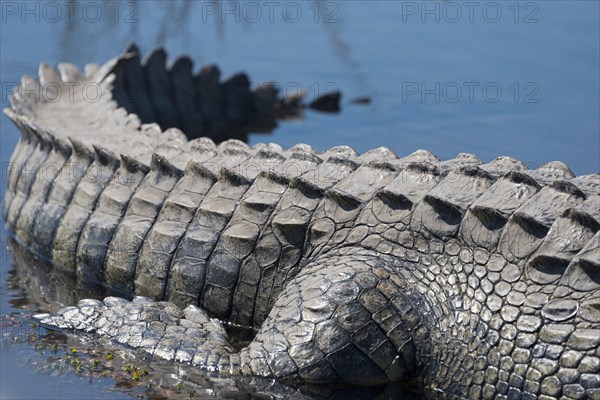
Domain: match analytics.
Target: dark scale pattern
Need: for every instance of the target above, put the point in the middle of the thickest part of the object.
(40, 188)
(478, 280)
(143, 208)
(29, 160)
(84, 202)
(105, 217)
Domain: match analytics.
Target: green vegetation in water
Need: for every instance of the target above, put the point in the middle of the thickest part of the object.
(136, 372)
(179, 390)
(62, 358)
(56, 354)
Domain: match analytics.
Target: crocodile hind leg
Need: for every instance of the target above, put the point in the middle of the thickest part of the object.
(343, 319)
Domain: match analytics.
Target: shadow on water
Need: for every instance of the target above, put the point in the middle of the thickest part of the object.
(83, 359)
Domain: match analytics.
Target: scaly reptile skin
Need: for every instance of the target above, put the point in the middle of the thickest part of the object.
(478, 280)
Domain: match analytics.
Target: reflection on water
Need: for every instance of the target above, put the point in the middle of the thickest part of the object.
(42, 287)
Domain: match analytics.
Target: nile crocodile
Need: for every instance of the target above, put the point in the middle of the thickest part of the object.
(479, 280)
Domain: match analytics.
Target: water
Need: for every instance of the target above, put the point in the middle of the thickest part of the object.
(491, 78)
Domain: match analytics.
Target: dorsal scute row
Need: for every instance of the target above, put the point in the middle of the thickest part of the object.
(493, 205)
(543, 225)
